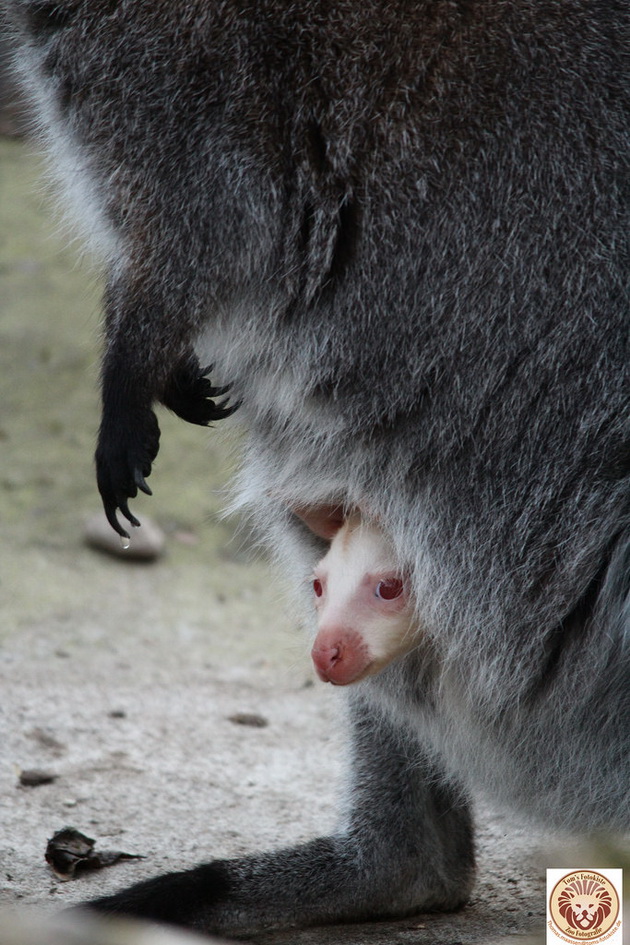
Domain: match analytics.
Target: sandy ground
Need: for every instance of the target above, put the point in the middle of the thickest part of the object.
(121, 678)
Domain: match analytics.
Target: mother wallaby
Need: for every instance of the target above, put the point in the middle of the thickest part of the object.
(399, 231)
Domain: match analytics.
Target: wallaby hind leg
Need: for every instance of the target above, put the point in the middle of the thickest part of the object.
(406, 846)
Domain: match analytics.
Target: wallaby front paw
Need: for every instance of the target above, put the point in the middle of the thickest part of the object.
(127, 446)
(190, 391)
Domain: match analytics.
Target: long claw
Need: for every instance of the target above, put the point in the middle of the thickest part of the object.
(124, 508)
(139, 480)
(221, 410)
(213, 391)
(127, 445)
(110, 512)
(217, 391)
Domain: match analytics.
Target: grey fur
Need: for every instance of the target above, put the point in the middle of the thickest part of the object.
(399, 230)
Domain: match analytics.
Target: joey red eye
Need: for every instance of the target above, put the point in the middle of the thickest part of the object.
(317, 587)
(389, 589)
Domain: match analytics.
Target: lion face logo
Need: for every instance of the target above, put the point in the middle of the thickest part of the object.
(584, 904)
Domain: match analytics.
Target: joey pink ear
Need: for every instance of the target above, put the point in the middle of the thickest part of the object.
(323, 520)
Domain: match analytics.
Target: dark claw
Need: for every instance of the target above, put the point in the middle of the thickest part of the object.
(138, 478)
(128, 444)
(123, 505)
(221, 410)
(218, 391)
(213, 391)
(110, 512)
(189, 394)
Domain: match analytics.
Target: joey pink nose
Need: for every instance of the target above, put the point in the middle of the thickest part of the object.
(340, 656)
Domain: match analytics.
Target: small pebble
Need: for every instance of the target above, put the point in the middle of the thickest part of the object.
(146, 544)
(249, 718)
(33, 777)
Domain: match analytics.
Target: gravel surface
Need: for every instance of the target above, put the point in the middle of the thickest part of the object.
(130, 681)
